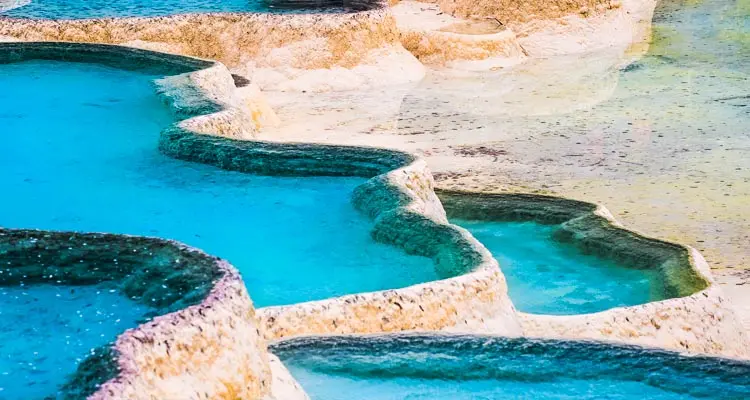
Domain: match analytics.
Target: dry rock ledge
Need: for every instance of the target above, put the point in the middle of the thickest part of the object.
(312, 52)
(482, 35)
(210, 324)
(364, 49)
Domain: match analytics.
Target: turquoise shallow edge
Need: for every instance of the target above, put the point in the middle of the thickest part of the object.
(589, 231)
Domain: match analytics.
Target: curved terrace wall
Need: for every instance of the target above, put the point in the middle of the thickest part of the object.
(400, 197)
(694, 317)
(407, 213)
(206, 342)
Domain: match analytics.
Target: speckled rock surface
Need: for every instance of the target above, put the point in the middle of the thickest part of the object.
(436, 38)
(212, 350)
(230, 38)
(400, 198)
(475, 305)
(521, 11)
(700, 323)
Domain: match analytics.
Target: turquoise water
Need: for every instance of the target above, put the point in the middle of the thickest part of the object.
(482, 368)
(47, 330)
(80, 153)
(78, 9)
(548, 277)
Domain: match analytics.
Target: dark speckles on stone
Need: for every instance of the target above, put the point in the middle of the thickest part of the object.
(633, 67)
(240, 81)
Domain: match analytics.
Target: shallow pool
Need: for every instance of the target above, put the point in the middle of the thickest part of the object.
(45, 331)
(78, 9)
(80, 153)
(479, 368)
(548, 277)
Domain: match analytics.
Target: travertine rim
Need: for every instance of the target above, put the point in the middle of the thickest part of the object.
(400, 191)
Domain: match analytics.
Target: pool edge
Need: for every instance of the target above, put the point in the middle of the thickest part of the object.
(483, 307)
(195, 346)
(697, 317)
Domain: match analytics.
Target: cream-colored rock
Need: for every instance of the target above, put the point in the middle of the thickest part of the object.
(700, 323)
(510, 11)
(220, 107)
(407, 214)
(472, 303)
(618, 28)
(313, 52)
(155, 46)
(208, 347)
(212, 349)
(253, 101)
(389, 65)
(283, 385)
(302, 54)
(199, 92)
(436, 38)
(713, 327)
(481, 42)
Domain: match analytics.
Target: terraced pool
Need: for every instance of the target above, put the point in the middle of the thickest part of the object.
(548, 277)
(79, 9)
(80, 153)
(463, 368)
